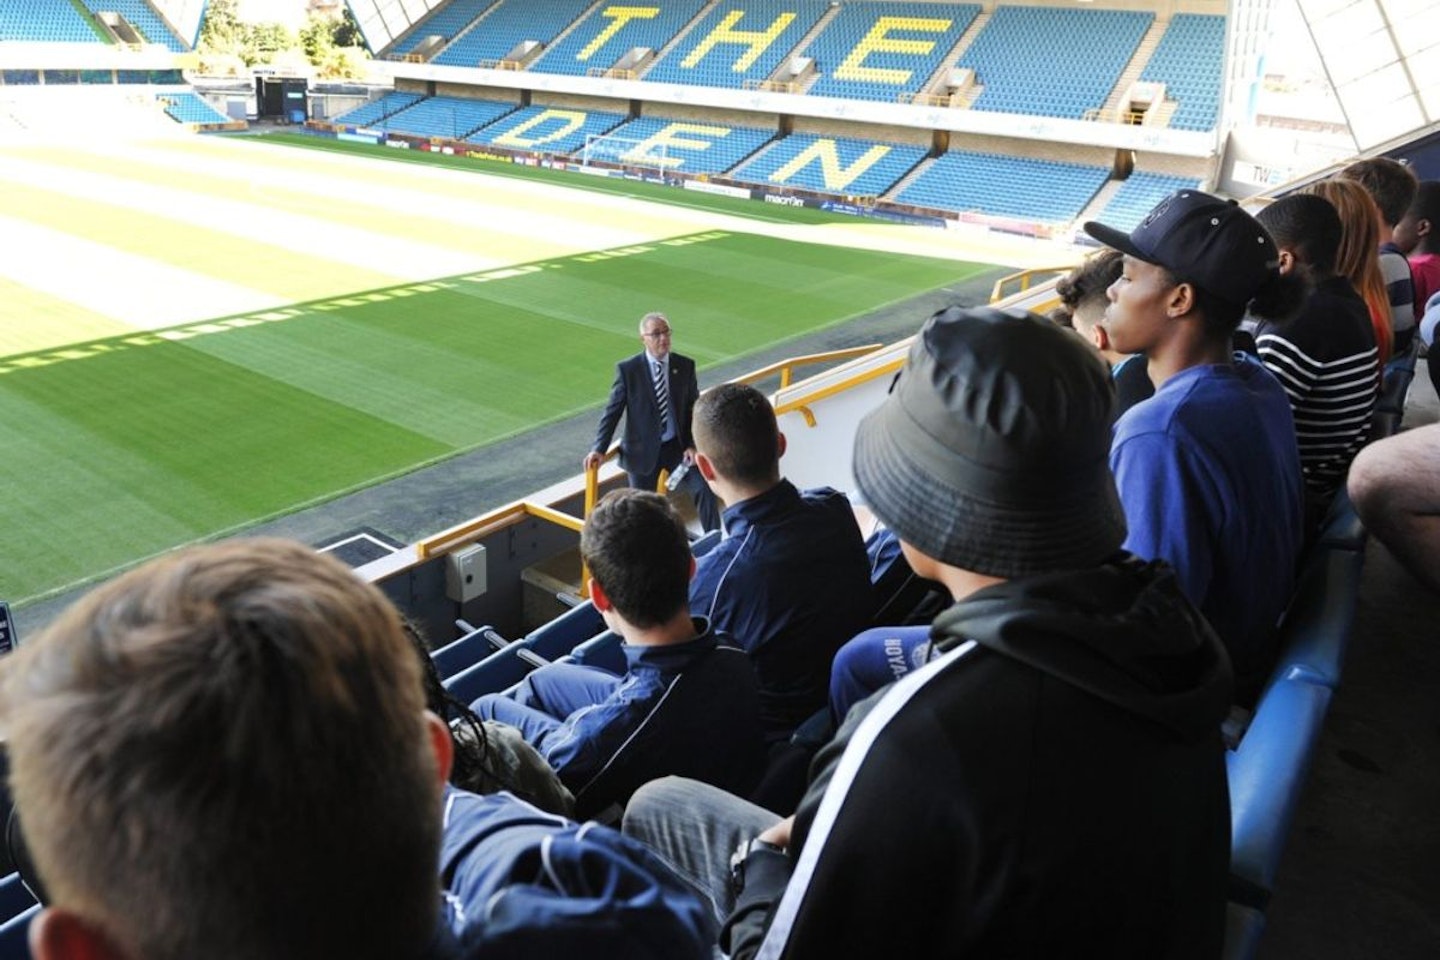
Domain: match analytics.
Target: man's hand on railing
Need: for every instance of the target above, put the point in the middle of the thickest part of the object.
(593, 460)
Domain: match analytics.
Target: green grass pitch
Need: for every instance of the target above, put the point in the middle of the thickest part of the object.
(119, 449)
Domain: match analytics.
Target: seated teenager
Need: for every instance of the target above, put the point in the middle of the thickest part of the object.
(1392, 186)
(582, 718)
(790, 579)
(1325, 356)
(1418, 235)
(1082, 303)
(225, 753)
(1208, 469)
(1052, 782)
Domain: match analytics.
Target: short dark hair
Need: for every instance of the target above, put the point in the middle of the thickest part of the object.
(1279, 299)
(224, 753)
(636, 549)
(1087, 284)
(1308, 226)
(1426, 205)
(735, 427)
(1390, 183)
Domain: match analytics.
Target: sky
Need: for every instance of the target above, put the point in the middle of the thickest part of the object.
(289, 12)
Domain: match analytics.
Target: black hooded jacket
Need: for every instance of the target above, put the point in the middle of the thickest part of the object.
(1052, 784)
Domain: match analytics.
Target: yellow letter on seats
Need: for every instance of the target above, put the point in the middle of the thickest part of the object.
(757, 40)
(670, 136)
(516, 137)
(879, 41)
(620, 16)
(836, 177)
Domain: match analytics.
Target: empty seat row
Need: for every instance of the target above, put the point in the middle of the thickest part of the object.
(377, 110)
(832, 164)
(452, 118)
(854, 67)
(190, 108)
(1019, 187)
(1187, 60)
(446, 21)
(143, 18)
(1138, 195)
(1052, 61)
(511, 23)
(611, 31)
(695, 147)
(45, 21)
(738, 42)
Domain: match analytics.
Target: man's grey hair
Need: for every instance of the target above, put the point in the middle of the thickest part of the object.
(654, 315)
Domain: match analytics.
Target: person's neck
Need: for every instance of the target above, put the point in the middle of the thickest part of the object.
(677, 629)
(962, 583)
(733, 493)
(1179, 356)
(662, 358)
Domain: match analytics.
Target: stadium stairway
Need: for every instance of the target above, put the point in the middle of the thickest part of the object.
(1137, 63)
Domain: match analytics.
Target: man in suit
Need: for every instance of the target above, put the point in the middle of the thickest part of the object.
(656, 391)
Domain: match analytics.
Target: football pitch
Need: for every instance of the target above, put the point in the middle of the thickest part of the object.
(200, 334)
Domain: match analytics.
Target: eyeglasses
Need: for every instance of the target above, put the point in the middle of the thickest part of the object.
(656, 334)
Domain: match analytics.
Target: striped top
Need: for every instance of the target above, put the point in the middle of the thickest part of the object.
(1327, 361)
(1400, 287)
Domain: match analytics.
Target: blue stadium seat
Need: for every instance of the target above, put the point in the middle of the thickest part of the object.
(1267, 774)
(446, 21)
(716, 54)
(1186, 61)
(895, 161)
(546, 129)
(1040, 190)
(1342, 526)
(1138, 195)
(140, 15)
(604, 651)
(881, 74)
(501, 669)
(560, 635)
(717, 151)
(575, 55)
(13, 933)
(45, 21)
(452, 118)
(377, 110)
(190, 108)
(1244, 926)
(1316, 630)
(1052, 62)
(14, 898)
(510, 24)
(474, 646)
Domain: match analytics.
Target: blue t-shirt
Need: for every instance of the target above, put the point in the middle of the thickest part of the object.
(1209, 476)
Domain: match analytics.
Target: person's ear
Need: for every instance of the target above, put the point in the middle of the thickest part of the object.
(1287, 262)
(58, 934)
(779, 444)
(691, 574)
(1182, 300)
(1422, 227)
(441, 744)
(1100, 337)
(599, 597)
(706, 466)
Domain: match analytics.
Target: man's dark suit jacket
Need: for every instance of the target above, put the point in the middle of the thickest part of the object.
(633, 394)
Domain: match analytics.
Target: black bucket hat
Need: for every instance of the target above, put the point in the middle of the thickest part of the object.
(992, 452)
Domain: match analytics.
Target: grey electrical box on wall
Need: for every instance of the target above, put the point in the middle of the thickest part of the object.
(465, 574)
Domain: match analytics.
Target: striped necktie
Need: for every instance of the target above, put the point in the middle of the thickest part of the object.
(662, 396)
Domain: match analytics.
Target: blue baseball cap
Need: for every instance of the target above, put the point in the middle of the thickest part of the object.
(1203, 240)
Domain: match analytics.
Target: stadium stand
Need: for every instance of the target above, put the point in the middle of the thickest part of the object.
(377, 110)
(877, 51)
(447, 21)
(1185, 61)
(832, 164)
(510, 24)
(1041, 190)
(1052, 62)
(614, 30)
(143, 18)
(546, 129)
(739, 42)
(46, 21)
(690, 146)
(450, 117)
(190, 108)
(1138, 195)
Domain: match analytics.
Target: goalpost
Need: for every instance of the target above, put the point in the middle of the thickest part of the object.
(614, 151)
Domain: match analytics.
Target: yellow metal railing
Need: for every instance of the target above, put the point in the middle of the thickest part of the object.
(1026, 279)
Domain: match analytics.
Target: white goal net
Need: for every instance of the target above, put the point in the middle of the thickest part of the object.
(625, 152)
